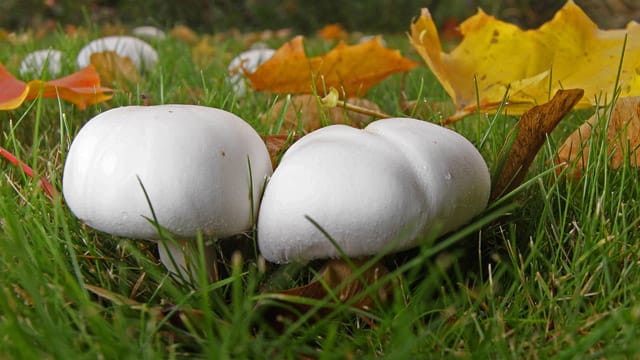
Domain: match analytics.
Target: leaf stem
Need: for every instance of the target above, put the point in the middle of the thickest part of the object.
(46, 186)
(331, 101)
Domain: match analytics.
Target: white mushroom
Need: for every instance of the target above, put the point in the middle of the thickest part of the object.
(141, 53)
(380, 188)
(203, 170)
(148, 32)
(34, 63)
(247, 61)
(368, 38)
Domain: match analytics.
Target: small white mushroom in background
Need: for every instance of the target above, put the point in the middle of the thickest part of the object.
(259, 45)
(140, 52)
(149, 32)
(366, 38)
(34, 63)
(203, 170)
(380, 188)
(247, 61)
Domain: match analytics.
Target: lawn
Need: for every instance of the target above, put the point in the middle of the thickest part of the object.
(548, 271)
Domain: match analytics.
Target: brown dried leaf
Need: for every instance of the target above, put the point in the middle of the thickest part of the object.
(277, 144)
(533, 128)
(182, 317)
(304, 112)
(339, 284)
(114, 69)
(623, 138)
(117, 299)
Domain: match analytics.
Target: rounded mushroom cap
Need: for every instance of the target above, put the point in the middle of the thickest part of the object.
(193, 162)
(249, 61)
(375, 189)
(33, 64)
(141, 53)
(149, 32)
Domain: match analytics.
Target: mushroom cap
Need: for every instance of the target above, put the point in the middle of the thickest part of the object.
(149, 32)
(249, 61)
(33, 64)
(193, 162)
(141, 53)
(380, 188)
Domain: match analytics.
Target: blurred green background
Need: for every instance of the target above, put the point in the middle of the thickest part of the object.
(302, 15)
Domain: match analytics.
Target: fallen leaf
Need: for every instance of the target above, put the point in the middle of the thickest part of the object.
(110, 29)
(569, 51)
(532, 131)
(333, 32)
(622, 138)
(115, 298)
(203, 53)
(182, 317)
(277, 144)
(305, 113)
(337, 282)
(114, 69)
(81, 88)
(450, 30)
(70, 30)
(351, 68)
(13, 92)
(184, 34)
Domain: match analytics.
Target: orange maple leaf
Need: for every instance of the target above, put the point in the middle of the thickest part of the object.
(333, 32)
(81, 88)
(352, 68)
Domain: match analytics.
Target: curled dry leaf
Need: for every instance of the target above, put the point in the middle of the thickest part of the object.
(351, 68)
(115, 69)
(81, 88)
(533, 128)
(622, 138)
(569, 51)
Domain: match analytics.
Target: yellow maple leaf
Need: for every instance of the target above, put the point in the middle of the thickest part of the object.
(569, 51)
(352, 68)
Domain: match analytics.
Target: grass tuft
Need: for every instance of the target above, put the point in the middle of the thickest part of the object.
(550, 270)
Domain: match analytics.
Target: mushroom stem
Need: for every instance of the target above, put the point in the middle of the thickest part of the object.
(180, 257)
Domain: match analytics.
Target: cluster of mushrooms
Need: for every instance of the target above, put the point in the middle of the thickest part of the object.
(189, 171)
(141, 53)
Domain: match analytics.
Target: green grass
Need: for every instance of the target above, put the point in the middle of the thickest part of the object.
(550, 272)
